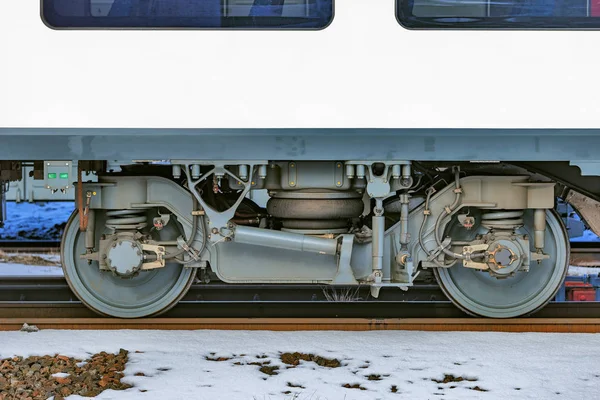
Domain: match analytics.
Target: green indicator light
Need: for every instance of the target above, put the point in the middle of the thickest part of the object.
(63, 175)
(52, 175)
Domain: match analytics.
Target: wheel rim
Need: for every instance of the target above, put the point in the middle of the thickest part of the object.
(150, 293)
(478, 293)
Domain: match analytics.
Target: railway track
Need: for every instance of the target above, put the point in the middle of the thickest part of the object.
(48, 303)
(577, 325)
(30, 246)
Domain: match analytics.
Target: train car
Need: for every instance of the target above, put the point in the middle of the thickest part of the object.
(391, 137)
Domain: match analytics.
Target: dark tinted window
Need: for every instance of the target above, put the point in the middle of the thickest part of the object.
(515, 14)
(241, 14)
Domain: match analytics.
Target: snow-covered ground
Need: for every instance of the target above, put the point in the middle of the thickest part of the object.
(23, 264)
(216, 365)
(36, 221)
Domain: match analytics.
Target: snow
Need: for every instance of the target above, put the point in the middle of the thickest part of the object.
(580, 271)
(29, 270)
(508, 365)
(36, 221)
(18, 269)
(60, 375)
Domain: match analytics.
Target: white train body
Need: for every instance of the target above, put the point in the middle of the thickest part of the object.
(363, 71)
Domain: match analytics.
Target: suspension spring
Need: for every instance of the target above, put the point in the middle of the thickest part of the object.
(120, 220)
(506, 220)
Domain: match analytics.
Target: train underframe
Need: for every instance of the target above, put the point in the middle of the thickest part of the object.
(143, 232)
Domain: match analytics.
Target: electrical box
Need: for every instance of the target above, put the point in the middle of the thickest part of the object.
(57, 176)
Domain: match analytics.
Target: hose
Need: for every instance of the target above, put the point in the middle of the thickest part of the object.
(448, 211)
(191, 238)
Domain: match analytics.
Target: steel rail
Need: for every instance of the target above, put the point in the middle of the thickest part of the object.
(27, 288)
(578, 325)
(33, 246)
(332, 310)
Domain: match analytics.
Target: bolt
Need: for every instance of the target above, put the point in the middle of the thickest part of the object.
(214, 230)
(114, 245)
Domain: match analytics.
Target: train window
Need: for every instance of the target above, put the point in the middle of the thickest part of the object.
(198, 14)
(499, 14)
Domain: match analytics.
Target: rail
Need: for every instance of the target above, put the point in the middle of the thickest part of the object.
(312, 324)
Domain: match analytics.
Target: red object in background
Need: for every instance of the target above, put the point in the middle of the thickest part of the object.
(595, 8)
(577, 291)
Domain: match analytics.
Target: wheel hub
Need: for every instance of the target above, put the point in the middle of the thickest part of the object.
(504, 257)
(125, 257)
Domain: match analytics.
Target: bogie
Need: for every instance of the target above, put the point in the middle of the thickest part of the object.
(339, 222)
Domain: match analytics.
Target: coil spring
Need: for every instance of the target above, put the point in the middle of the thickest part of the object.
(503, 219)
(126, 219)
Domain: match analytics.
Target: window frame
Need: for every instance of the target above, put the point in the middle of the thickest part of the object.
(160, 28)
(420, 23)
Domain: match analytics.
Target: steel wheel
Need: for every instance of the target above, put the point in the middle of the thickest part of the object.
(150, 293)
(479, 294)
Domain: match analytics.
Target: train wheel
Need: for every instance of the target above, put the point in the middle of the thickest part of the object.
(480, 294)
(147, 294)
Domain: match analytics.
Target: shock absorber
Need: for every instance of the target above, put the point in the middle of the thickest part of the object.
(539, 229)
(120, 220)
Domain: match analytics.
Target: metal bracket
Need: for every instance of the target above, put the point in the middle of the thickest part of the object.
(160, 254)
(162, 221)
(345, 275)
(181, 243)
(535, 256)
(468, 250)
(376, 287)
(218, 221)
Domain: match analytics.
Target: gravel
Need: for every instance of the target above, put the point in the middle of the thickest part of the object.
(41, 377)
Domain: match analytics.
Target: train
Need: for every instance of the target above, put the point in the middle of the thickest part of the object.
(390, 137)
